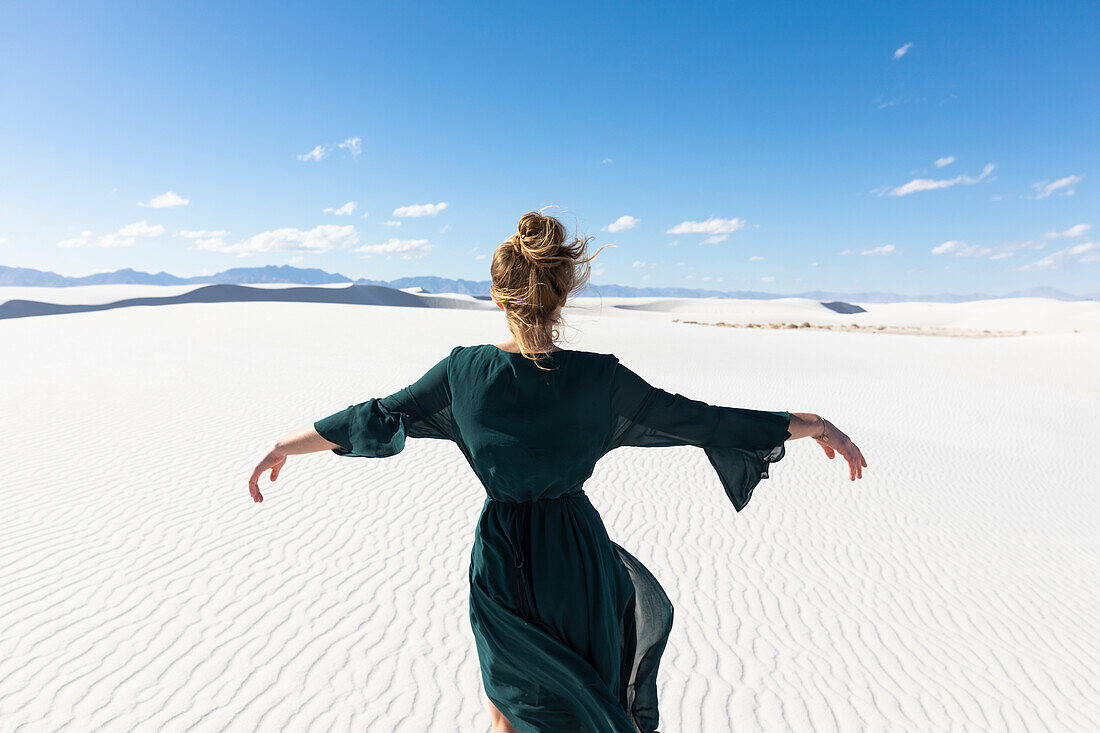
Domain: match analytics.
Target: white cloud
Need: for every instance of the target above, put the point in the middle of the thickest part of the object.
(622, 224)
(444, 228)
(1043, 189)
(114, 240)
(674, 243)
(141, 229)
(813, 264)
(319, 239)
(1084, 252)
(957, 248)
(295, 259)
(78, 241)
(365, 215)
(768, 279)
(124, 237)
(886, 249)
(903, 50)
(929, 184)
(4, 240)
(713, 225)
(605, 161)
(166, 200)
(942, 162)
(481, 256)
(408, 248)
(206, 240)
(316, 154)
(1073, 231)
(756, 258)
(391, 223)
(716, 239)
(346, 210)
(353, 145)
(644, 265)
(417, 210)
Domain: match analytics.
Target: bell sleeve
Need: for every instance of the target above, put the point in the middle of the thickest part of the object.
(379, 427)
(740, 443)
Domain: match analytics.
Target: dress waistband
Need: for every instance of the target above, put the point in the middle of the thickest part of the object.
(536, 501)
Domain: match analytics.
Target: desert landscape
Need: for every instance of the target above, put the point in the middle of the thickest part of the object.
(955, 587)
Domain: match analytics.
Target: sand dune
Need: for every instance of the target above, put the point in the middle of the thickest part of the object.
(97, 294)
(954, 588)
(349, 295)
(1008, 315)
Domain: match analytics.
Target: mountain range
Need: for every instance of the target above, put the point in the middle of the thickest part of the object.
(27, 277)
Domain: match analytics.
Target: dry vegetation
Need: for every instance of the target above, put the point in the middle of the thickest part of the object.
(858, 328)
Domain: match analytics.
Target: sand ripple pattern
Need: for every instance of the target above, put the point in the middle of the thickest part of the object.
(954, 588)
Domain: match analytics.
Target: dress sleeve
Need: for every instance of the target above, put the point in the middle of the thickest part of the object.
(378, 427)
(740, 443)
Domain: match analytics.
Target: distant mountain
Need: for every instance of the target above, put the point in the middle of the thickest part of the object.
(435, 284)
(26, 277)
(273, 274)
(128, 277)
(20, 276)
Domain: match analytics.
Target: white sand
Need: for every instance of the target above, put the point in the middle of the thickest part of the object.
(955, 587)
(1035, 315)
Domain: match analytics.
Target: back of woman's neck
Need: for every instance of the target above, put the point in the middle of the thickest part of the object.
(513, 347)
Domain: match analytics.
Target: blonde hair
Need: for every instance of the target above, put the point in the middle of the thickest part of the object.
(534, 271)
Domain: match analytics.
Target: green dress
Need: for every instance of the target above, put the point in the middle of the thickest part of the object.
(569, 627)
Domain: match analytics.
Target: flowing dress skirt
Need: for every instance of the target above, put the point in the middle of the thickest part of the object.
(569, 626)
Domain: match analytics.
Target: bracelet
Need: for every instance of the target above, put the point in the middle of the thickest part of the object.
(824, 437)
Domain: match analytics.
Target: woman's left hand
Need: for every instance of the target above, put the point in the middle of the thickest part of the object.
(272, 460)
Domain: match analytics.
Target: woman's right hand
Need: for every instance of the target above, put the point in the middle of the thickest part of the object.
(840, 443)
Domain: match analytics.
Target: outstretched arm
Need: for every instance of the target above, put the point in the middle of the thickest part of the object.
(740, 443)
(306, 440)
(375, 428)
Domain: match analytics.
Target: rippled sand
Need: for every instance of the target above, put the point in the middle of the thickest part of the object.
(955, 587)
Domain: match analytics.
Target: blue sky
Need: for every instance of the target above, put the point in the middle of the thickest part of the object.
(925, 147)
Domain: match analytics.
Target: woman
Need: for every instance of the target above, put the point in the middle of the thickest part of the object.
(569, 627)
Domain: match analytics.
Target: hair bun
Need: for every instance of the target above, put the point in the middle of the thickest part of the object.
(532, 227)
(540, 240)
